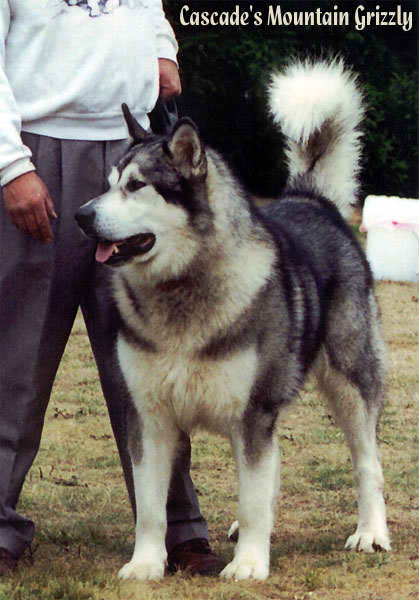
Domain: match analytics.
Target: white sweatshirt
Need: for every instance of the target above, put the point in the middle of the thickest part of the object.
(67, 65)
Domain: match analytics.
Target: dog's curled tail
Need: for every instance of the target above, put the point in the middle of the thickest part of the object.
(319, 108)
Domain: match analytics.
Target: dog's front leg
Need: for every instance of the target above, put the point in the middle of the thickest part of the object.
(258, 486)
(152, 464)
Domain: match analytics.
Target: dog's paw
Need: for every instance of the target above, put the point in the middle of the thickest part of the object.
(246, 568)
(365, 540)
(143, 570)
(233, 532)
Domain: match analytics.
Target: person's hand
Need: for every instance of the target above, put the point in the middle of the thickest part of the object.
(170, 85)
(29, 205)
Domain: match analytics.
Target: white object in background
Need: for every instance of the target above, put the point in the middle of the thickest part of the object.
(392, 225)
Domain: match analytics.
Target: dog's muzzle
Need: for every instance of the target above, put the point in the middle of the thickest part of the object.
(85, 218)
(113, 252)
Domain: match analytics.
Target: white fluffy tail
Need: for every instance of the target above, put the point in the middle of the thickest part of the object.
(319, 108)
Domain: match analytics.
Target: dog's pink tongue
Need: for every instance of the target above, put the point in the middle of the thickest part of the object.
(104, 252)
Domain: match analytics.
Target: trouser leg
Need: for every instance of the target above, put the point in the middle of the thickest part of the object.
(30, 351)
(38, 303)
(41, 286)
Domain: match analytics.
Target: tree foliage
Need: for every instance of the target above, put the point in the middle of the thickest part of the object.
(225, 71)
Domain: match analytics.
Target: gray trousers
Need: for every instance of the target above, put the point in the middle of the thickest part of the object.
(41, 288)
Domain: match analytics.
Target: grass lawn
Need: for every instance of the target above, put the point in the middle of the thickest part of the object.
(75, 493)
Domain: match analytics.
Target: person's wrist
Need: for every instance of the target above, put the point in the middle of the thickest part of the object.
(15, 170)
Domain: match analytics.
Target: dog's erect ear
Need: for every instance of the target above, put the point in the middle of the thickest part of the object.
(136, 132)
(187, 150)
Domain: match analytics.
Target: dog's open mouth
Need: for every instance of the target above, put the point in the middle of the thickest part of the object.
(114, 253)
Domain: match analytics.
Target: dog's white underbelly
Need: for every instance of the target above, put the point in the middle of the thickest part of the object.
(190, 390)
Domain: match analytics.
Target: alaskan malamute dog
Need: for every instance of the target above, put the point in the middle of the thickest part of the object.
(225, 308)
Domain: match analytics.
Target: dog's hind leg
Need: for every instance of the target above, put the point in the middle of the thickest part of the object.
(355, 401)
(152, 460)
(258, 486)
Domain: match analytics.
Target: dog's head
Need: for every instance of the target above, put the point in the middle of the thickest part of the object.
(157, 203)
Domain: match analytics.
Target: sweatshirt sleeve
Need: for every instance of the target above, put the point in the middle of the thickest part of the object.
(15, 157)
(167, 45)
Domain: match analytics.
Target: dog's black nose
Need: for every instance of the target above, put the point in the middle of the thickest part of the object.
(85, 218)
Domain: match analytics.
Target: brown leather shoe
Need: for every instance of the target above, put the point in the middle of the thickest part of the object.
(196, 557)
(8, 562)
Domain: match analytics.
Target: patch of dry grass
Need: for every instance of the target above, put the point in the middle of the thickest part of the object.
(76, 495)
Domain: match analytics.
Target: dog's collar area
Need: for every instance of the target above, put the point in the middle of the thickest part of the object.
(117, 253)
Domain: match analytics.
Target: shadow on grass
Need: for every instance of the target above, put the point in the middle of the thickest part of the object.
(315, 544)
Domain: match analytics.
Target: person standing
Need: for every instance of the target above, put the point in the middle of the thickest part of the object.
(65, 68)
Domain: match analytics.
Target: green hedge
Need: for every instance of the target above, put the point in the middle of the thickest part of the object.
(225, 71)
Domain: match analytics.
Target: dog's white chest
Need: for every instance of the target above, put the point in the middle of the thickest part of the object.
(193, 391)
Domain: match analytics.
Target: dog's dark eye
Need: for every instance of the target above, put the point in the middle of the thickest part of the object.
(134, 184)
